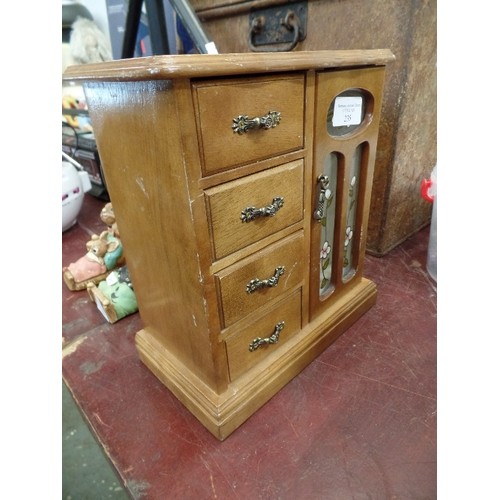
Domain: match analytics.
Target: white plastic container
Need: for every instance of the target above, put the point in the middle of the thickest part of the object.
(74, 184)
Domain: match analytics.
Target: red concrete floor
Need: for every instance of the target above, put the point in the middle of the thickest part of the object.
(359, 422)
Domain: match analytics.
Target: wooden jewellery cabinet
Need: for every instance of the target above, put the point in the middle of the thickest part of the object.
(241, 186)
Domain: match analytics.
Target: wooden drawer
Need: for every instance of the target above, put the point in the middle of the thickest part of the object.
(241, 358)
(240, 295)
(219, 102)
(227, 202)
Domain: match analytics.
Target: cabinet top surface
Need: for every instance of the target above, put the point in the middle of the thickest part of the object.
(207, 65)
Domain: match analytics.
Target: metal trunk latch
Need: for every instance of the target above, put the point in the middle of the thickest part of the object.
(278, 29)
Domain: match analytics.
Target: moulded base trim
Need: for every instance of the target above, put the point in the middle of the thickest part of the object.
(222, 413)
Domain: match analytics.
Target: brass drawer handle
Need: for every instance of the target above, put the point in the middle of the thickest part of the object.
(242, 124)
(257, 284)
(251, 213)
(272, 339)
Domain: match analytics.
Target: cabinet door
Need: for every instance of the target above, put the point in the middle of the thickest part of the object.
(347, 119)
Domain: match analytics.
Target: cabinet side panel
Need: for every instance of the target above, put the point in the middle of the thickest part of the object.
(139, 141)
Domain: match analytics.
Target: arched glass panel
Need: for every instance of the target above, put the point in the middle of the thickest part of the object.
(354, 172)
(329, 192)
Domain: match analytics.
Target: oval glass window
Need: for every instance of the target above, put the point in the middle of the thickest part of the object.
(348, 111)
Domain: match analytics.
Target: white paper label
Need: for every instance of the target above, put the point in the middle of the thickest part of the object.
(347, 111)
(112, 278)
(100, 307)
(211, 48)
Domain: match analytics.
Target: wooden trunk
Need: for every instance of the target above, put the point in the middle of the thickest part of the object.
(407, 142)
(245, 266)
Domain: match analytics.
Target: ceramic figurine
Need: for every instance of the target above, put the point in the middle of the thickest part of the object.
(108, 217)
(104, 253)
(114, 296)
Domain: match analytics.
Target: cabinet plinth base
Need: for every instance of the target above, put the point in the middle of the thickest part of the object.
(222, 413)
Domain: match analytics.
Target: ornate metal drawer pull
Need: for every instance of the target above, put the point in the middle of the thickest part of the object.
(273, 339)
(257, 284)
(242, 123)
(323, 182)
(251, 213)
